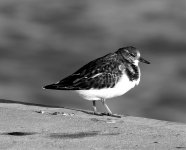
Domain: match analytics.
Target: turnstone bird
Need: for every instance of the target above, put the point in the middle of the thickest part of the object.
(106, 77)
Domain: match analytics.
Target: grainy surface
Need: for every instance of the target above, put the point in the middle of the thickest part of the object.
(45, 128)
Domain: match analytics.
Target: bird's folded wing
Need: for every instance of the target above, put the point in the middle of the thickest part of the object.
(95, 76)
(97, 81)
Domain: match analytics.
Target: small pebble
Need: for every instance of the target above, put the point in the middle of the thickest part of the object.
(64, 114)
(40, 111)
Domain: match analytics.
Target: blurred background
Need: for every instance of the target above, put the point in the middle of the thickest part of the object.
(43, 41)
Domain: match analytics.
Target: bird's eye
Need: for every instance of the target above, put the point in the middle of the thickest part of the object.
(131, 54)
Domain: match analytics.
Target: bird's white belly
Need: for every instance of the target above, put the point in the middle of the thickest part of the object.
(119, 89)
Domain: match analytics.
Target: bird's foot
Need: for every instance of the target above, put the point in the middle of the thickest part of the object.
(97, 113)
(112, 115)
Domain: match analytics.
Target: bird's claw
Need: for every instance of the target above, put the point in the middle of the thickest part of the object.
(112, 115)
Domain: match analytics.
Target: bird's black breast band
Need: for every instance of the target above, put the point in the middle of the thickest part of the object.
(132, 72)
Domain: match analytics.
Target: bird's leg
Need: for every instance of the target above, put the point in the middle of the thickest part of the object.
(95, 109)
(108, 110)
(94, 106)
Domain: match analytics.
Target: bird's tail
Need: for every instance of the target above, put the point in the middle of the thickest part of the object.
(57, 87)
(51, 87)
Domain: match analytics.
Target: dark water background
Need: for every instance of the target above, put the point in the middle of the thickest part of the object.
(42, 41)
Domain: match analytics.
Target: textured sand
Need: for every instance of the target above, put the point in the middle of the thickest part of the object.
(33, 127)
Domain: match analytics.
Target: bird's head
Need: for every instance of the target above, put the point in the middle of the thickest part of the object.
(131, 54)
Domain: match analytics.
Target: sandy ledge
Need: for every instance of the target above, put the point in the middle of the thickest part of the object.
(24, 126)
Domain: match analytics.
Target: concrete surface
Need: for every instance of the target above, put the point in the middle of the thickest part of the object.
(34, 127)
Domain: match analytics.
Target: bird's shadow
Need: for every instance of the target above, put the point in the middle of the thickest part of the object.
(80, 135)
(73, 135)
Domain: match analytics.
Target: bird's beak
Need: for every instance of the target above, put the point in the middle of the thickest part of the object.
(143, 60)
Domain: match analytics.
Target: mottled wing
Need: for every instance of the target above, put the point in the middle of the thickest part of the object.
(103, 72)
